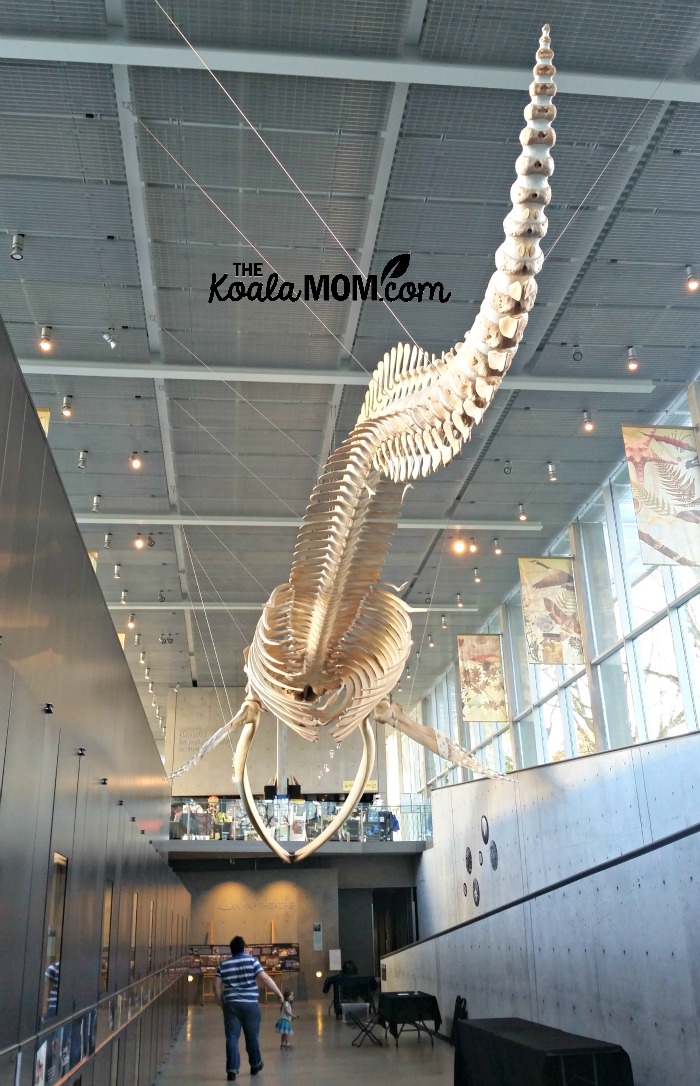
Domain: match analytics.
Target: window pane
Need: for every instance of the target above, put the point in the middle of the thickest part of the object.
(620, 720)
(690, 624)
(663, 700)
(521, 672)
(507, 758)
(685, 578)
(525, 742)
(587, 733)
(554, 729)
(545, 678)
(647, 594)
(600, 579)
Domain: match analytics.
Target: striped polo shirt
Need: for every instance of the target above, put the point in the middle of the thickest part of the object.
(238, 974)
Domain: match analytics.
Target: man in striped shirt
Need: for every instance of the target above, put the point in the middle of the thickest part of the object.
(236, 989)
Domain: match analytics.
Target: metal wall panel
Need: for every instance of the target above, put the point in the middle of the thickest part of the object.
(85, 779)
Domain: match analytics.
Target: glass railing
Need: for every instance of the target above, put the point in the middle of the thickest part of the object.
(196, 819)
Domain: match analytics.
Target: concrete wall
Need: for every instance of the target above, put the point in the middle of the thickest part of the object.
(612, 955)
(59, 646)
(195, 714)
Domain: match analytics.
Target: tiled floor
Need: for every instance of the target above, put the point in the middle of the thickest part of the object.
(322, 1054)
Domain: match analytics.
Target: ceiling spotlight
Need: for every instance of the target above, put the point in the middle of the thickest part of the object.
(443, 622)
(150, 688)
(507, 467)
(82, 459)
(632, 360)
(151, 541)
(117, 571)
(551, 472)
(522, 515)
(497, 548)
(473, 546)
(17, 250)
(135, 461)
(131, 622)
(691, 280)
(588, 423)
(67, 407)
(108, 337)
(147, 672)
(96, 503)
(45, 341)
(459, 546)
(123, 597)
(577, 353)
(108, 541)
(477, 578)
(137, 639)
(399, 688)
(142, 660)
(431, 643)
(139, 542)
(153, 700)
(458, 599)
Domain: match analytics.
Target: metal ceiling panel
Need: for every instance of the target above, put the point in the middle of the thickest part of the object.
(192, 309)
(75, 304)
(315, 351)
(651, 284)
(54, 18)
(256, 393)
(617, 36)
(272, 220)
(668, 181)
(75, 260)
(191, 264)
(75, 89)
(56, 147)
(269, 101)
(77, 344)
(373, 27)
(63, 208)
(224, 158)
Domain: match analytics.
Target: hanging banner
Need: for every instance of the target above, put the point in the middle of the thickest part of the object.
(550, 611)
(665, 480)
(481, 678)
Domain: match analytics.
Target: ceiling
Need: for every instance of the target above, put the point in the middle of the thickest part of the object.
(399, 120)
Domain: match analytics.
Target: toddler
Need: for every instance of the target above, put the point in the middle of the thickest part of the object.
(283, 1025)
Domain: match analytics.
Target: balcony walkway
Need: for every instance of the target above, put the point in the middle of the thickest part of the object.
(322, 1054)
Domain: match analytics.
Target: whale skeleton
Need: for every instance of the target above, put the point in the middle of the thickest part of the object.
(332, 642)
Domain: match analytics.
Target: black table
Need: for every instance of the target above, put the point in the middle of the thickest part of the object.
(515, 1052)
(400, 1010)
(348, 988)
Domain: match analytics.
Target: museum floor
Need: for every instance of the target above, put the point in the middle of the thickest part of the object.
(322, 1053)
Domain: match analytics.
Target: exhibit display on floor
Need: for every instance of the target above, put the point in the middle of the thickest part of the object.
(331, 644)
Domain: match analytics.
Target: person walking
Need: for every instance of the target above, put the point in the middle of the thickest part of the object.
(236, 990)
(283, 1025)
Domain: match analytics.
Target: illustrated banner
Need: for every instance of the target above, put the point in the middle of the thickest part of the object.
(481, 678)
(665, 479)
(550, 611)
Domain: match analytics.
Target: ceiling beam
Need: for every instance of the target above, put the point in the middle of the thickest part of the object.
(632, 386)
(185, 521)
(220, 605)
(411, 67)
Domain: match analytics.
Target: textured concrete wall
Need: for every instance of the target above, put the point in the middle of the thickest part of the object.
(612, 955)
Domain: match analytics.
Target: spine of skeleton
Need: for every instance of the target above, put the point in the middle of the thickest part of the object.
(423, 409)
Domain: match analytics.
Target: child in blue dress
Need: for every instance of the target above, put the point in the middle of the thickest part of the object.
(283, 1025)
